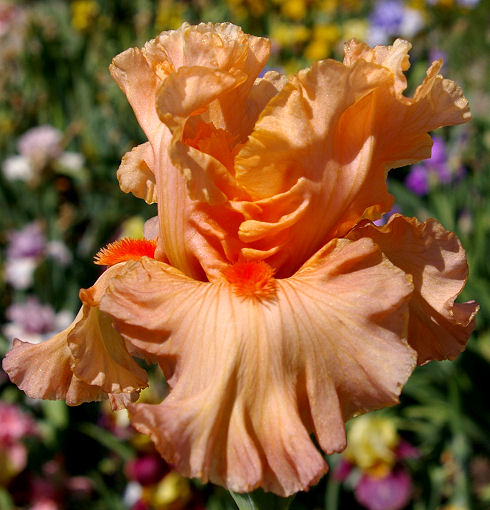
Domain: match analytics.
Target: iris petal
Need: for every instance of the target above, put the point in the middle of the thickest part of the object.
(438, 327)
(251, 378)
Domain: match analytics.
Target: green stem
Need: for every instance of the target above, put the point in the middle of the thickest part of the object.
(260, 500)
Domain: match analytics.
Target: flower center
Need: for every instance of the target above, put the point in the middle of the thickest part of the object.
(217, 142)
(251, 279)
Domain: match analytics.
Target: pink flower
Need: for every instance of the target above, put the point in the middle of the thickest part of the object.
(391, 492)
(15, 424)
(41, 144)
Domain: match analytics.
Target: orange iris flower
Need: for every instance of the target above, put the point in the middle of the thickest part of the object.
(275, 307)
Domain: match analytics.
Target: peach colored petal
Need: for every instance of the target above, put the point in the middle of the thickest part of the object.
(252, 377)
(189, 90)
(438, 327)
(100, 357)
(262, 91)
(44, 371)
(329, 137)
(395, 58)
(198, 238)
(135, 175)
(136, 78)
(85, 362)
(221, 47)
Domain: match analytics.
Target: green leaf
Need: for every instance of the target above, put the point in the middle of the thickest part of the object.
(56, 413)
(6, 502)
(108, 440)
(260, 500)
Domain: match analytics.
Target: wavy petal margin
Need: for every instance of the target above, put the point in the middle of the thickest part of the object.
(252, 378)
(438, 327)
(87, 361)
(327, 140)
(135, 174)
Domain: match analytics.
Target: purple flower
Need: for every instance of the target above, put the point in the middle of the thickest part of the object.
(468, 3)
(32, 316)
(438, 162)
(405, 450)
(436, 54)
(391, 492)
(418, 180)
(27, 242)
(41, 144)
(438, 155)
(387, 15)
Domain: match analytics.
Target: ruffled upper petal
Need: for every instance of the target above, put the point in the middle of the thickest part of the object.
(135, 174)
(438, 327)
(329, 137)
(253, 375)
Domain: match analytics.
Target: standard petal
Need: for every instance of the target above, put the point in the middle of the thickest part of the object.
(438, 327)
(329, 137)
(251, 378)
(137, 79)
(221, 47)
(135, 174)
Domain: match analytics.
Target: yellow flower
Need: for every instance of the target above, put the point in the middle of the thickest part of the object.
(132, 227)
(371, 443)
(173, 492)
(354, 29)
(287, 34)
(273, 304)
(83, 13)
(317, 50)
(170, 15)
(293, 9)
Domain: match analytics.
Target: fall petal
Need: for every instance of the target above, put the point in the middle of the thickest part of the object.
(44, 371)
(135, 175)
(100, 356)
(252, 378)
(438, 327)
(83, 363)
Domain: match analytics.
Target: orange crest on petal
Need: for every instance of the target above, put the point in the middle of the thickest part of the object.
(251, 279)
(124, 250)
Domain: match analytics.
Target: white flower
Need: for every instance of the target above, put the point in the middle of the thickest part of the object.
(18, 168)
(412, 22)
(132, 493)
(58, 251)
(71, 160)
(19, 272)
